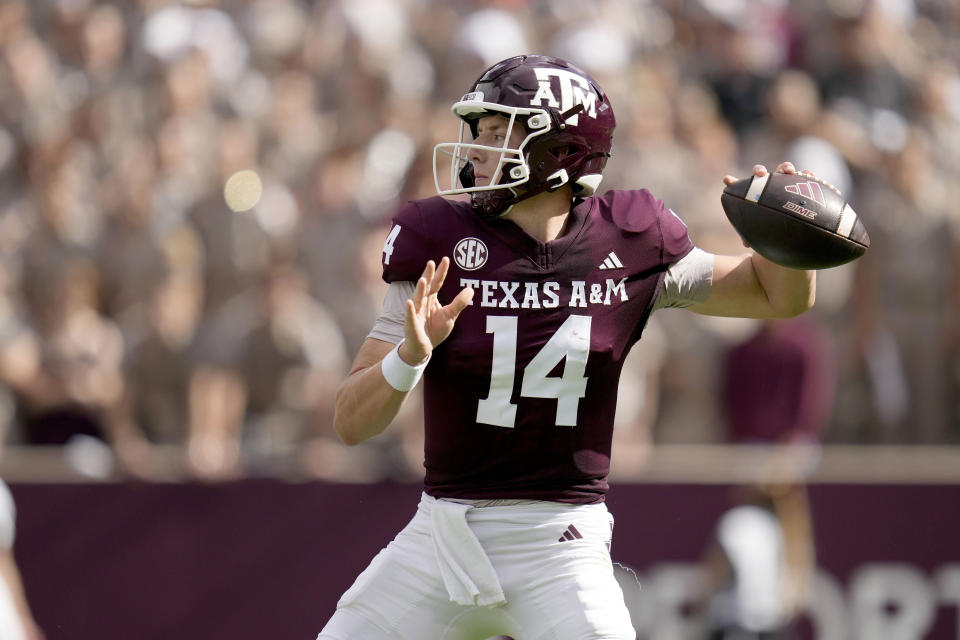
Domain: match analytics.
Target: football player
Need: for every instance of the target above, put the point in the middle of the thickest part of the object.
(517, 309)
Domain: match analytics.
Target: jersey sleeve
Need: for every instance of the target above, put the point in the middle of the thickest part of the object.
(407, 246)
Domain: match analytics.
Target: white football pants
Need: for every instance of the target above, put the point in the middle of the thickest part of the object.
(551, 578)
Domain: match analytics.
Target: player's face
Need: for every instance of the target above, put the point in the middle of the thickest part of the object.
(492, 132)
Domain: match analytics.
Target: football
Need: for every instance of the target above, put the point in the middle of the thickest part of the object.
(795, 221)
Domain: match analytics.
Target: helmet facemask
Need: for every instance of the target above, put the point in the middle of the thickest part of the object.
(512, 171)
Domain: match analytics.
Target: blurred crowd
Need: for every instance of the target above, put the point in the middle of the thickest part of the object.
(194, 195)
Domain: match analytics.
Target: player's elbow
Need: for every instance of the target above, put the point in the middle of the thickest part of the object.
(343, 424)
(345, 431)
(801, 302)
(348, 438)
(810, 300)
(796, 310)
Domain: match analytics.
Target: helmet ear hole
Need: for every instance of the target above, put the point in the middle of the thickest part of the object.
(562, 151)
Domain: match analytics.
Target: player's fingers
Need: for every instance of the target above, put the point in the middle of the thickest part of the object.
(728, 179)
(419, 297)
(786, 167)
(410, 315)
(440, 275)
(429, 270)
(428, 290)
(760, 170)
(414, 333)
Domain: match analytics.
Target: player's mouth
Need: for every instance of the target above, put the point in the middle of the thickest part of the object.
(481, 180)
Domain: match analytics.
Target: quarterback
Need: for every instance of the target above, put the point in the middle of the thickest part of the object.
(517, 308)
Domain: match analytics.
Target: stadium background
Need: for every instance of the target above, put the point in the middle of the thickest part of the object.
(192, 199)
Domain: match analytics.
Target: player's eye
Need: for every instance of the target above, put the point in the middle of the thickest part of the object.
(490, 137)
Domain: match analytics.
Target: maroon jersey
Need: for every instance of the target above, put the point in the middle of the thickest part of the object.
(519, 401)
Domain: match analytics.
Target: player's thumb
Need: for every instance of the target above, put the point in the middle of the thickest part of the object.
(461, 302)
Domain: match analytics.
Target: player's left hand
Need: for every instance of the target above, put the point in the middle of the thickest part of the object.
(427, 322)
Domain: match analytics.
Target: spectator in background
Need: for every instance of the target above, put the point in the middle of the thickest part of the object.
(778, 391)
(329, 239)
(779, 384)
(902, 322)
(758, 565)
(794, 110)
(743, 45)
(16, 620)
(68, 376)
(875, 59)
(159, 366)
(129, 252)
(273, 356)
(291, 361)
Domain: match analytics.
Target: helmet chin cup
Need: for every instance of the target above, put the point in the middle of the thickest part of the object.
(496, 203)
(466, 176)
(491, 205)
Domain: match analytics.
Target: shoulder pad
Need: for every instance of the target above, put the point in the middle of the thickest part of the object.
(413, 238)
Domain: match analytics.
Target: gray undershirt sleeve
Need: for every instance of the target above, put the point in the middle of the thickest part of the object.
(389, 324)
(687, 281)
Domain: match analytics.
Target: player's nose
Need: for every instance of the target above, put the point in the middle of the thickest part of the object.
(477, 156)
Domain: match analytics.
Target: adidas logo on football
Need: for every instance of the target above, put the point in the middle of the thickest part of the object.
(611, 262)
(570, 534)
(810, 190)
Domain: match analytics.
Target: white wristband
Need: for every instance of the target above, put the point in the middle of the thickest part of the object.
(398, 374)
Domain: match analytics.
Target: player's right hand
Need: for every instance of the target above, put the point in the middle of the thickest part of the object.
(427, 322)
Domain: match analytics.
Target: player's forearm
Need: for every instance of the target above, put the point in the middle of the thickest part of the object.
(365, 405)
(789, 292)
(749, 286)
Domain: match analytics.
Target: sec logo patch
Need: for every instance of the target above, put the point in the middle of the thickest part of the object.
(470, 254)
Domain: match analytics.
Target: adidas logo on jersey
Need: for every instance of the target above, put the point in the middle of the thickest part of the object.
(611, 262)
(570, 534)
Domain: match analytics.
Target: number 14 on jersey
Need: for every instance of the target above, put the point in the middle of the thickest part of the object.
(571, 342)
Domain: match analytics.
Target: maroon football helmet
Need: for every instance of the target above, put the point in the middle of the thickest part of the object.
(568, 122)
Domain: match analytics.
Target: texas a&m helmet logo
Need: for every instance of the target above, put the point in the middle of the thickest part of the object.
(470, 254)
(574, 89)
